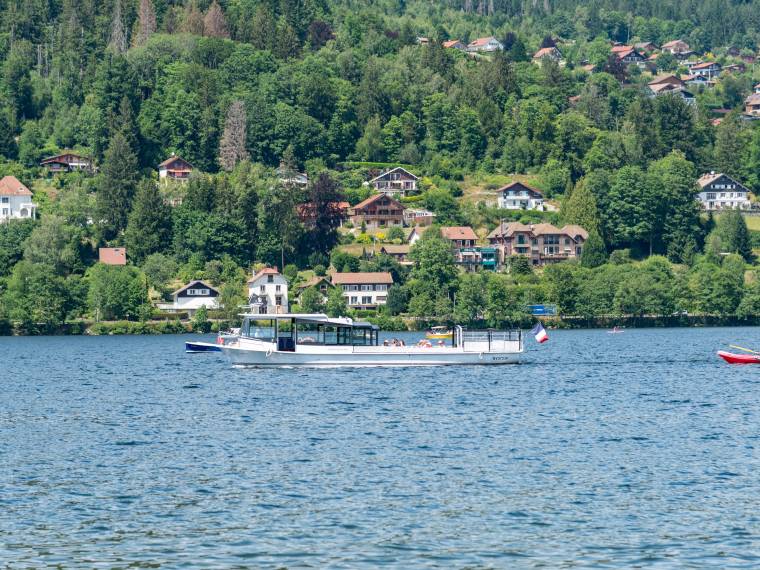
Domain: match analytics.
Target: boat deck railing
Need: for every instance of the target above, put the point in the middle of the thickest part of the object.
(489, 340)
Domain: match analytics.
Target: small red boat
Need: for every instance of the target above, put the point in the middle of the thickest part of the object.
(732, 358)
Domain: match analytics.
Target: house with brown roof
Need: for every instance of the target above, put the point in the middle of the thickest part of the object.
(15, 200)
(398, 252)
(752, 106)
(628, 55)
(541, 243)
(397, 182)
(520, 196)
(418, 217)
(459, 236)
(364, 290)
(378, 211)
(320, 283)
(678, 48)
(487, 44)
(268, 292)
(718, 191)
(547, 53)
(672, 89)
(66, 162)
(708, 69)
(175, 168)
(112, 255)
(646, 47)
(667, 79)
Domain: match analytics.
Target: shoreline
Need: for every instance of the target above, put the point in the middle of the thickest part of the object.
(151, 328)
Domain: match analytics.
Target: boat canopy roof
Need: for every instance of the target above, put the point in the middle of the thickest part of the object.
(319, 318)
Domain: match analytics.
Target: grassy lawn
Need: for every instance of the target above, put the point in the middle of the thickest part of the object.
(753, 223)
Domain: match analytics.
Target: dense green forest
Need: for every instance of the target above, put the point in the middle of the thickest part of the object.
(238, 87)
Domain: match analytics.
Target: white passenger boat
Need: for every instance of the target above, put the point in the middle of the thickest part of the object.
(317, 340)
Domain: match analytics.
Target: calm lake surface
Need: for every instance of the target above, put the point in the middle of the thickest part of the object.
(605, 451)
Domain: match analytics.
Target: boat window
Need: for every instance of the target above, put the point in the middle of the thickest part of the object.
(329, 334)
(360, 337)
(259, 329)
(309, 333)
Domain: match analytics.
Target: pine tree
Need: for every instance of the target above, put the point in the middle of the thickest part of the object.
(580, 208)
(729, 146)
(146, 23)
(594, 253)
(734, 234)
(149, 227)
(214, 23)
(118, 41)
(232, 146)
(261, 28)
(116, 186)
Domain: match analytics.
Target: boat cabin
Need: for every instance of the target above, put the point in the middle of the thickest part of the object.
(291, 330)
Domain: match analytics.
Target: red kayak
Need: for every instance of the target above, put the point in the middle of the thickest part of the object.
(732, 358)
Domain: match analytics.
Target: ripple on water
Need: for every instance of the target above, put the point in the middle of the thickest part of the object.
(126, 452)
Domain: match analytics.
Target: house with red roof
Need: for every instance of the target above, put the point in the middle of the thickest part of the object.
(487, 44)
(67, 162)
(708, 69)
(541, 243)
(551, 53)
(112, 255)
(15, 200)
(454, 44)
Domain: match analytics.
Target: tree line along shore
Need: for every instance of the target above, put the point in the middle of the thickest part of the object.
(210, 140)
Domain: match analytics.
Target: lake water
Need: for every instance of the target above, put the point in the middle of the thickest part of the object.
(606, 451)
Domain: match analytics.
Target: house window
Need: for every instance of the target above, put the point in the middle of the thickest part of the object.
(381, 287)
(366, 300)
(5, 212)
(270, 278)
(5, 199)
(711, 196)
(277, 288)
(278, 300)
(366, 287)
(353, 300)
(262, 288)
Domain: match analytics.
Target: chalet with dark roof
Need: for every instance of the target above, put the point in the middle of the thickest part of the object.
(175, 168)
(378, 211)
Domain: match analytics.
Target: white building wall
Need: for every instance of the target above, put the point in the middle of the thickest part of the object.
(364, 295)
(722, 200)
(17, 208)
(275, 291)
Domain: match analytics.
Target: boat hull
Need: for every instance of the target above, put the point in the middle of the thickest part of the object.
(732, 358)
(402, 356)
(196, 347)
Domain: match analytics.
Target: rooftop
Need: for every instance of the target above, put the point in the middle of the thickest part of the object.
(458, 233)
(10, 186)
(362, 278)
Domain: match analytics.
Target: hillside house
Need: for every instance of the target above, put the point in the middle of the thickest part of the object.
(454, 44)
(718, 191)
(645, 47)
(398, 252)
(66, 162)
(698, 81)
(678, 48)
(541, 243)
(752, 105)
(321, 284)
(191, 297)
(15, 200)
(519, 196)
(551, 53)
(378, 211)
(175, 168)
(486, 45)
(628, 55)
(396, 182)
(364, 290)
(112, 255)
(708, 69)
(666, 79)
(460, 237)
(415, 234)
(268, 292)
(672, 90)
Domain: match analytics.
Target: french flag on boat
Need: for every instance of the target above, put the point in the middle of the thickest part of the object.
(540, 333)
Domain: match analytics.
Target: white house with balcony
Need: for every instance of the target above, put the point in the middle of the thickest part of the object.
(718, 191)
(364, 290)
(519, 196)
(396, 182)
(191, 297)
(15, 200)
(268, 292)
